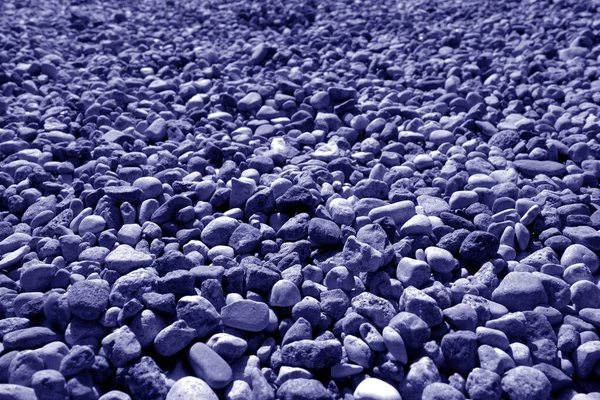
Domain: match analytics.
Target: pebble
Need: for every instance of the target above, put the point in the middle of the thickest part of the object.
(88, 299)
(526, 383)
(49, 384)
(247, 315)
(311, 354)
(440, 260)
(438, 391)
(400, 212)
(302, 388)
(199, 314)
(12, 391)
(93, 224)
(209, 366)
(121, 347)
(173, 338)
(375, 389)
(576, 254)
(478, 247)
(191, 388)
(483, 384)
(125, 259)
(284, 294)
(219, 231)
(520, 291)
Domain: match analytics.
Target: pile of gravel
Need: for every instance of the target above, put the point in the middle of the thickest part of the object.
(299, 200)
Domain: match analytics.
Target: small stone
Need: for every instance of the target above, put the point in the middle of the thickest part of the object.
(157, 130)
(209, 366)
(219, 231)
(92, 223)
(376, 389)
(417, 225)
(482, 384)
(124, 259)
(586, 357)
(413, 272)
(360, 257)
(302, 389)
(441, 391)
(585, 294)
(246, 315)
(421, 374)
(416, 302)
(478, 247)
(379, 310)
(312, 354)
(79, 358)
(174, 338)
(583, 235)
(11, 391)
(146, 381)
(531, 168)
(49, 384)
(191, 388)
(358, 351)
(227, 346)
(577, 253)
(29, 338)
(440, 260)
(121, 347)
(400, 212)
(251, 102)
(23, 366)
(199, 314)
(88, 299)
(395, 344)
(245, 239)
(522, 383)
(149, 187)
(460, 351)
(324, 232)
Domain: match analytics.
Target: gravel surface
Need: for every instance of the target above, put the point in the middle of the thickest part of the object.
(299, 200)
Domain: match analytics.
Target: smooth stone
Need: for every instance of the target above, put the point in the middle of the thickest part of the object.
(209, 366)
(92, 223)
(150, 187)
(219, 231)
(284, 294)
(577, 253)
(246, 315)
(531, 168)
(376, 389)
(440, 260)
(417, 225)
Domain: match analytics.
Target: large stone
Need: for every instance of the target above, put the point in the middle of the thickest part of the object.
(520, 291)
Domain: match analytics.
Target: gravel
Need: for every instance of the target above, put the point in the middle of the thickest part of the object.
(299, 200)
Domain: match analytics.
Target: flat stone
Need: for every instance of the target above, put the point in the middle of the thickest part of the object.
(246, 315)
(531, 168)
(125, 259)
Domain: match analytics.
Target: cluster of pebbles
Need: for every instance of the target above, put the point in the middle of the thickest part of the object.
(299, 200)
